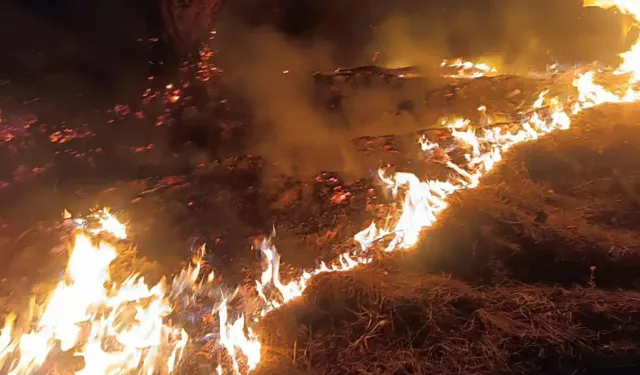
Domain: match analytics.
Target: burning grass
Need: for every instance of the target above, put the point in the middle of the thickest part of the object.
(570, 231)
(525, 213)
(552, 211)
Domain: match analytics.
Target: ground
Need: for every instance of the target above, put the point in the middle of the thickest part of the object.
(535, 271)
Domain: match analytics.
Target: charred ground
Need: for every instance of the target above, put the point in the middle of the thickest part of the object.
(532, 272)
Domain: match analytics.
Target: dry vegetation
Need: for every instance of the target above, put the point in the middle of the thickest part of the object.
(377, 322)
(553, 210)
(531, 273)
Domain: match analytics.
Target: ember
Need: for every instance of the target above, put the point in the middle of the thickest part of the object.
(66, 134)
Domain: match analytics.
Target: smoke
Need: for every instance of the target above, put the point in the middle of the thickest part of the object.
(513, 35)
(274, 75)
(268, 50)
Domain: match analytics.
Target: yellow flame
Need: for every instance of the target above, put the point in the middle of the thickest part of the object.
(468, 69)
(100, 221)
(631, 58)
(423, 201)
(116, 329)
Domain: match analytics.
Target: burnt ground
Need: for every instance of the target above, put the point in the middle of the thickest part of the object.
(534, 272)
(175, 191)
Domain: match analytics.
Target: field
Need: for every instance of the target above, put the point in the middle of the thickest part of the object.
(235, 187)
(535, 271)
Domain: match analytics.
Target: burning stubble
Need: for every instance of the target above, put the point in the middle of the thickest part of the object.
(83, 288)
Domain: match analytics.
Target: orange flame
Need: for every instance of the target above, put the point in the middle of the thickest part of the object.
(631, 58)
(117, 329)
(468, 69)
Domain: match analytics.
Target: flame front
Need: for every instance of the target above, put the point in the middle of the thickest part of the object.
(421, 202)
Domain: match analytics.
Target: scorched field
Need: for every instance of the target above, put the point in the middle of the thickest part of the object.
(500, 239)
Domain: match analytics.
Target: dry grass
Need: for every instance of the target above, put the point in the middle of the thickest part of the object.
(378, 322)
(560, 214)
(553, 210)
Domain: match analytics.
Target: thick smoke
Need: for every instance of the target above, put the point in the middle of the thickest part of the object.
(274, 77)
(512, 34)
(269, 49)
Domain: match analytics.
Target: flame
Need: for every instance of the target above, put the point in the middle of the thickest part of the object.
(631, 58)
(468, 69)
(295, 288)
(115, 328)
(233, 338)
(122, 328)
(421, 202)
(100, 221)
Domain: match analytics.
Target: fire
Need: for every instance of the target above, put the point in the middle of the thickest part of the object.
(115, 328)
(468, 69)
(294, 289)
(100, 221)
(123, 328)
(233, 338)
(631, 58)
(422, 201)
